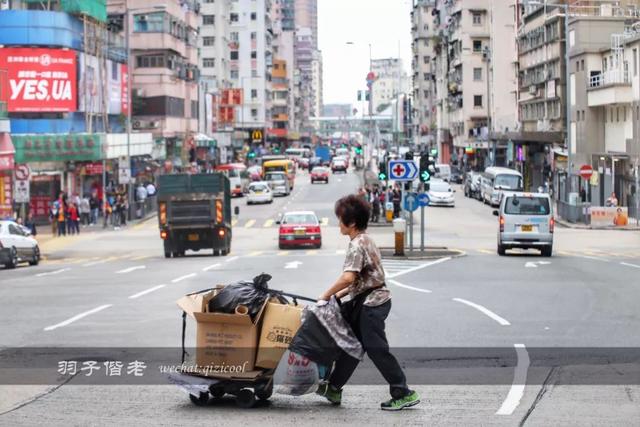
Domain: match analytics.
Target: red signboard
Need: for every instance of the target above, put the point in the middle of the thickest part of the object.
(92, 169)
(124, 89)
(586, 171)
(40, 205)
(40, 80)
(226, 115)
(231, 97)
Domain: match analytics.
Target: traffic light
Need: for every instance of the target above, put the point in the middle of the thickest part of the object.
(358, 149)
(425, 175)
(408, 155)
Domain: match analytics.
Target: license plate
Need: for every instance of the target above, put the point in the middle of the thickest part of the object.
(299, 232)
(258, 192)
(193, 237)
(526, 228)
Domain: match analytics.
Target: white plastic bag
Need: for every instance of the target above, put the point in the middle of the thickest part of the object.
(295, 375)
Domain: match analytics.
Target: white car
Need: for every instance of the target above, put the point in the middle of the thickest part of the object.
(259, 192)
(17, 245)
(441, 194)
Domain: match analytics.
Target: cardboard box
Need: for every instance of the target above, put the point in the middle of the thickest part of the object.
(222, 340)
(279, 324)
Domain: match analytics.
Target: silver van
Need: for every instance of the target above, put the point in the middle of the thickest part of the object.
(495, 180)
(526, 221)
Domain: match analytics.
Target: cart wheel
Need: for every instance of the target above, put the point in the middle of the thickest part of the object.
(217, 392)
(245, 398)
(265, 393)
(200, 400)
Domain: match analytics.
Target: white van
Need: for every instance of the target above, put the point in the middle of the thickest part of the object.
(443, 172)
(525, 221)
(495, 180)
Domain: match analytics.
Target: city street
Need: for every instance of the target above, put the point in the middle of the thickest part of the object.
(116, 290)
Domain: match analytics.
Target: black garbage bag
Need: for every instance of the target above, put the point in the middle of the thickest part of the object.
(324, 334)
(250, 294)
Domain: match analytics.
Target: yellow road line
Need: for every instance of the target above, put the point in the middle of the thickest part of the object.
(255, 253)
(140, 258)
(283, 253)
(324, 221)
(250, 223)
(312, 252)
(268, 223)
(565, 253)
(485, 251)
(234, 222)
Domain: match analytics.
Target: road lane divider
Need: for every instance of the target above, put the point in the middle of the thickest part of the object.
(131, 269)
(502, 321)
(630, 265)
(102, 261)
(52, 273)
(233, 258)
(77, 317)
(211, 267)
(519, 381)
(255, 253)
(147, 291)
(401, 285)
(185, 277)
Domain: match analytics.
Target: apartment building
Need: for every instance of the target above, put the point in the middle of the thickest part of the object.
(251, 59)
(316, 84)
(390, 81)
(284, 126)
(423, 30)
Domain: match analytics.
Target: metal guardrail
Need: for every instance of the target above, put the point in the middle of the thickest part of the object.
(575, 214)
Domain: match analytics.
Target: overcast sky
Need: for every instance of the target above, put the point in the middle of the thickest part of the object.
(385, 24)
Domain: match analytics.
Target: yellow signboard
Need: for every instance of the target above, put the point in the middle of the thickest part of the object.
(256, 135)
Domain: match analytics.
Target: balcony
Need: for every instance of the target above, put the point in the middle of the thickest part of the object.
(609, 88)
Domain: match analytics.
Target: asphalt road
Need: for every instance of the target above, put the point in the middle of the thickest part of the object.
(485, 339)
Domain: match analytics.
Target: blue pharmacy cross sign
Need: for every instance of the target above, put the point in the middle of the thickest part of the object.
(423, 200)
(402, 170)
(411, 202)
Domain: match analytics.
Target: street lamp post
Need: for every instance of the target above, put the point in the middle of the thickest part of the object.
(486, 55)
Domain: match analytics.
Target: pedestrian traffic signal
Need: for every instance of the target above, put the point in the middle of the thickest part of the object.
(408, 155)
(358, 150)
(382, 176)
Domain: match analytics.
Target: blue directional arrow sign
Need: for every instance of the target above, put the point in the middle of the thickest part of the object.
(402, 170)
(411, 202)
(423, 200)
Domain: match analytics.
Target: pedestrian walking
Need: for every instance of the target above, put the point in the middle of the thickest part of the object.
(61, 217)
(85, 211)
(363, 279)
(141, 197)
(108, 212)
(53, 217)
(375, 206)
(73, 219)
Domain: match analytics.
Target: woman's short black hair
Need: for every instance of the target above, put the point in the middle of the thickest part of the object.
(354, 210)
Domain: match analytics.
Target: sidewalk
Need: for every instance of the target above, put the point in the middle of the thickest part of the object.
(565, 224)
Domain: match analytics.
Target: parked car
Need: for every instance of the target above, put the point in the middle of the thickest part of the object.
(259, 192)
(279, 183)
(300, 228)
(472, 185)
(525, 221)
(441, 194)
(320, 174)
(17, 245)
(338, 164)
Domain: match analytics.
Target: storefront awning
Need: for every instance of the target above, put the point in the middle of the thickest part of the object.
(204, 141)
(7, 152)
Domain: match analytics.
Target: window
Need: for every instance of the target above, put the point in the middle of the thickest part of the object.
(635, 62)
(233, 55)
(577, 65)
(208, 41)
(582, 64)
(208, 19)
(254, 112)
(617, 114)
(624, 114)
(477, 100)
(233, 74)
(604, 63)
(477, 74)
(426, 59)
(254, 35)
(477, 18)
(233, 17)
(114, 70)
(254, 54)
(477, 45)
(209, 1)
(234, 36)
(150, 61)
(254, 93)
(254, 73)
(611, 115)
(149, 22)
(208, 62)
(254, 16)
(426, 76)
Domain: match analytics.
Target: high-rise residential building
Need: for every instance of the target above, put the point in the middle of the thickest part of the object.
(423, 30)
(316, 84)
(282, 79)
(164, 53)
(306, 16)
(251, 59)
(304, 58)
(390, 82)
(287, 14)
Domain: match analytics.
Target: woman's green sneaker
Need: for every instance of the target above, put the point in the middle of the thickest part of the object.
(409, 400)
(331, 394)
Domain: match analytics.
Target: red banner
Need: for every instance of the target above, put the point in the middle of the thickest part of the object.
(40, 205)
(231, 97)
(124, 89)
(226, 115)
(40, 80)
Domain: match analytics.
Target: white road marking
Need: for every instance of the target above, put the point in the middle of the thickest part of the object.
(395, 282)
(484, 310)
(211, 267)
(421, 266)
(292, 265)
(51, 273)
(341, 251)
(185, 277)
(233, 258)
(130, 269)
(250, 223)
(593, 258)
(324, 221)
(77, 317)
(519, 381)
(630, 265)
(535, 264)
(268, 223)
(148, 291)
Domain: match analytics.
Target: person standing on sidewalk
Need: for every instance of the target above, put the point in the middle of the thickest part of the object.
(73, 219)
(85, 210)
(364, 281)
(61, 217)
(94, 206)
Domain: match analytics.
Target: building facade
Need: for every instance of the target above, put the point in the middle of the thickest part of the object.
(390, 81)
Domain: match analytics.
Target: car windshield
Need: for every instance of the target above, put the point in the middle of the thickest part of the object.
(508, 182)
(275, 177)
(258, 187)
(318, 170)
(439, 187)
(300, 219)
(519, 205)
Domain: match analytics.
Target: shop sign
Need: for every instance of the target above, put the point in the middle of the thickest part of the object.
(40, 80)
(91, 169)
(6, 194)
(40, 205)
(58, 148)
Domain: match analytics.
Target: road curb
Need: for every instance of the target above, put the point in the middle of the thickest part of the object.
(429, 253)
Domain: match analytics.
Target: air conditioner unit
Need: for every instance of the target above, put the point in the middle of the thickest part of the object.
(153, 124)
(136, 124)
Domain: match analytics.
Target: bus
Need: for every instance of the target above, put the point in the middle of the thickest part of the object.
(238, 177)
(495, 180)
(286, 166)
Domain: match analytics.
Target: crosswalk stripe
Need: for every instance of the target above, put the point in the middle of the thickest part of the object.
(268, 223)
(250, 223)
(234, 222)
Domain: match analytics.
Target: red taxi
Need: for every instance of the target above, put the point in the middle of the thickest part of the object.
(319, 174)
(300, 228)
